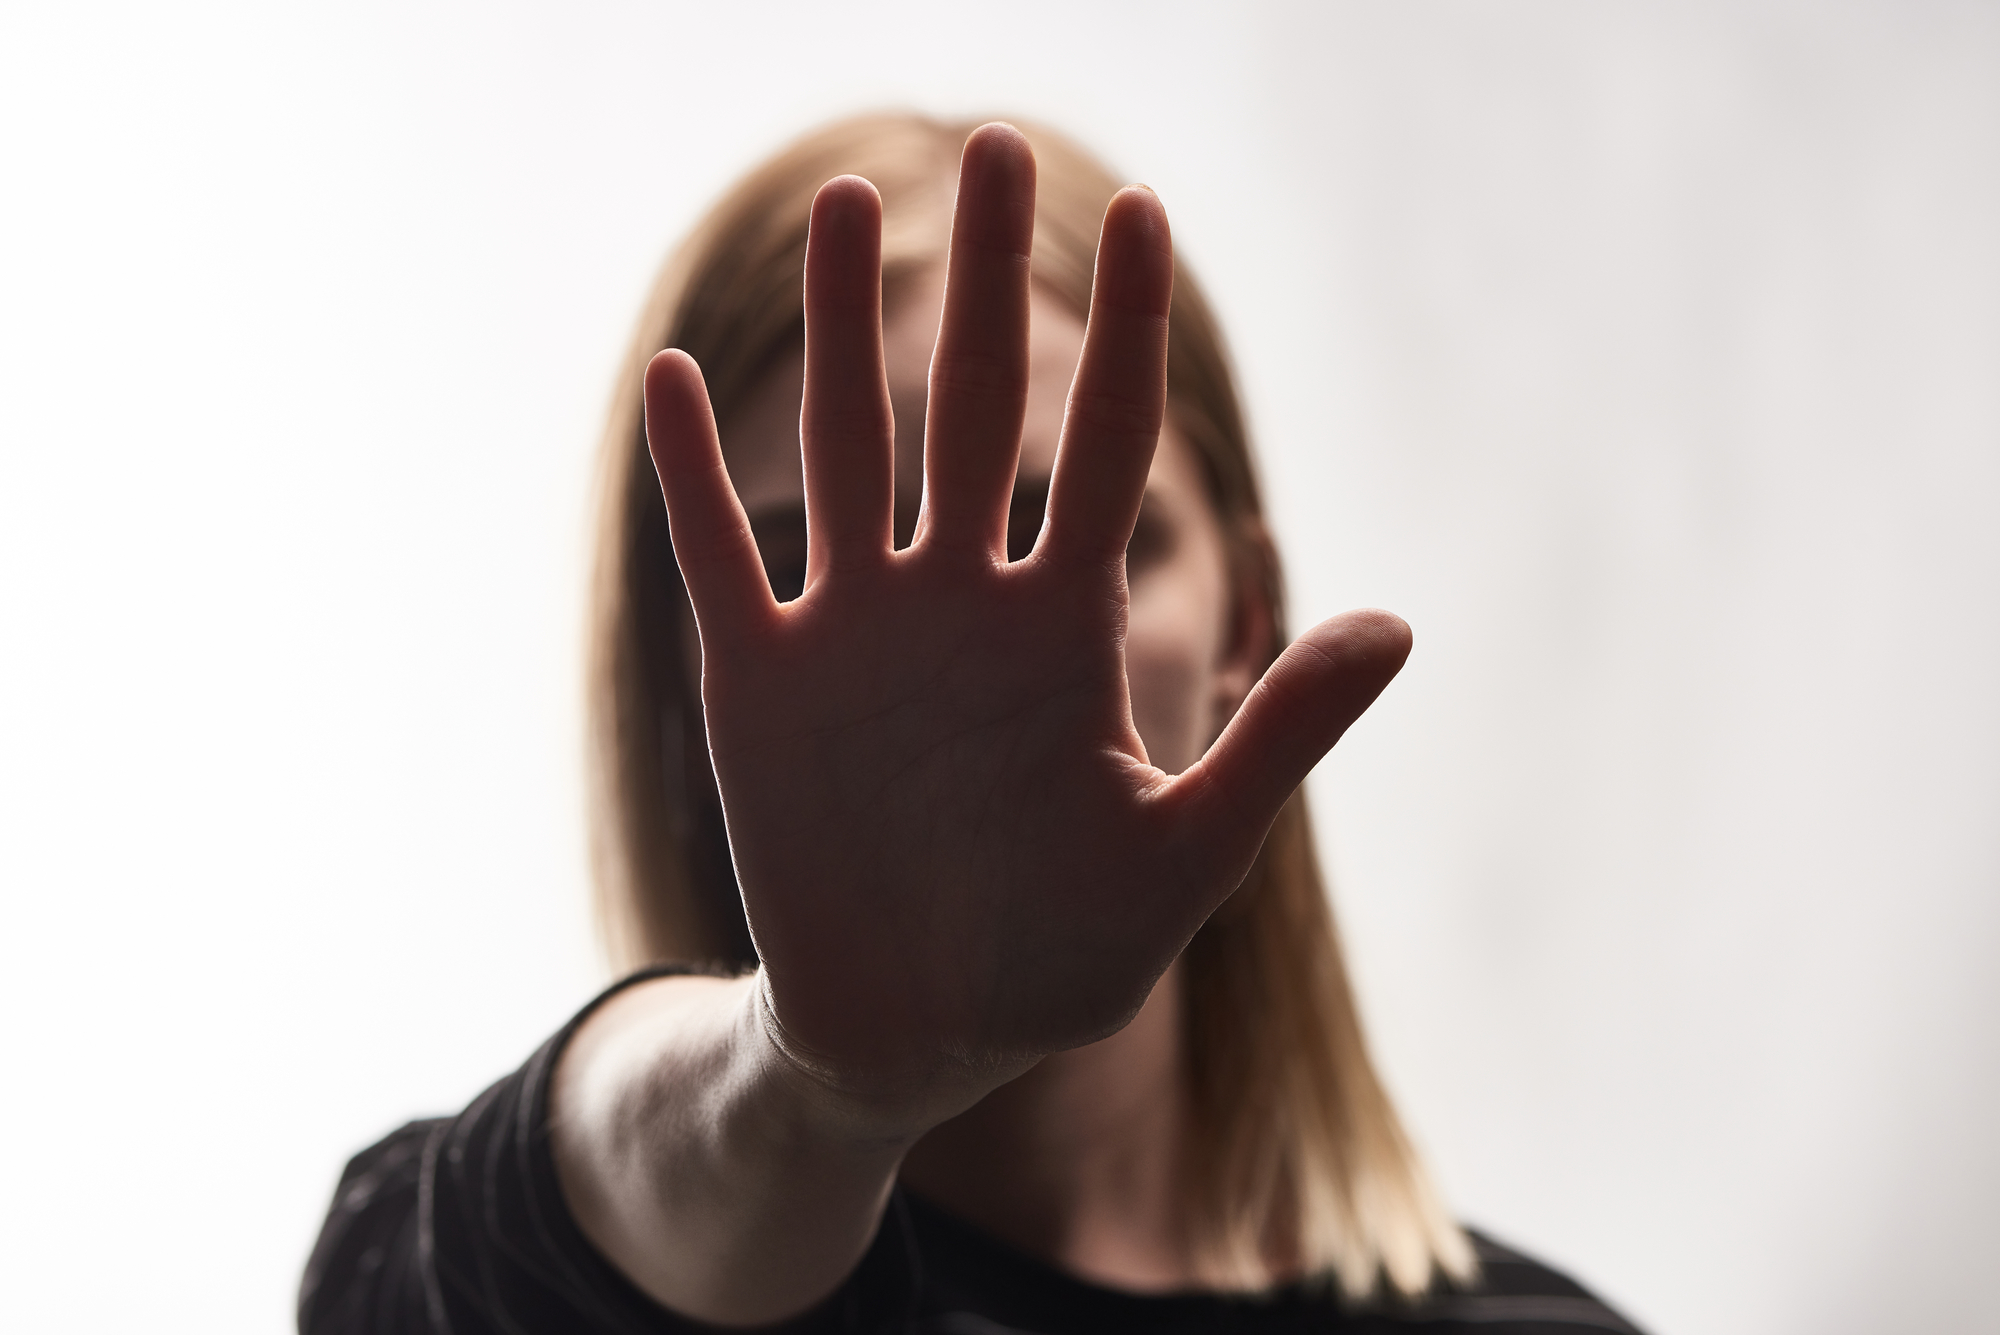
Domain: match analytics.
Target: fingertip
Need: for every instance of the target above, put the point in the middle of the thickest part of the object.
(1138, 218)
(1135, 254)
(844, 195)
(999, 136)
(998, 156)
(843, 245)
(1369, 638)
(850, 181)
(671, 362)
(670, 372)
(675, 396)
(1140, 201)
(1389, 630)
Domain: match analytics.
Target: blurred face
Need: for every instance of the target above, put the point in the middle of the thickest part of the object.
(1191, 647)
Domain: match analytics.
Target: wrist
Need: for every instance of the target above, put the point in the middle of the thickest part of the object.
(872, 1107)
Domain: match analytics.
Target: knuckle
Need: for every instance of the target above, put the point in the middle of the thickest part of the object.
(844, 421)
(1118, 415)
(982, 374)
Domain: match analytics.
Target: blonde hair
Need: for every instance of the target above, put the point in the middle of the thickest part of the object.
(1296, 1150)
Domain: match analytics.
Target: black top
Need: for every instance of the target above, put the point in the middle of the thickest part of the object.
(457, 1226)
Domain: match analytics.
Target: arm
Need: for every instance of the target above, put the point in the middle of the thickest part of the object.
(721, 1179)
(954, 856)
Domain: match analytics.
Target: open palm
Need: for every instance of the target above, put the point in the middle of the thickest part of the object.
(953, 853)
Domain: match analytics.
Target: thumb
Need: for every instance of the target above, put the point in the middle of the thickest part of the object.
(1290, 720)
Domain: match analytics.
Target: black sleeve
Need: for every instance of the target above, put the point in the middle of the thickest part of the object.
(458, 1226)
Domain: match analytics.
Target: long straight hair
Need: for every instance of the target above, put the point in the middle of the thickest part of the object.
(1295, 1149)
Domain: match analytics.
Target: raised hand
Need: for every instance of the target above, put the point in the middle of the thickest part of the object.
(953, 853)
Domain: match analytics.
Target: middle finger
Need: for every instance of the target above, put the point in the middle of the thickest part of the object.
(979, 373)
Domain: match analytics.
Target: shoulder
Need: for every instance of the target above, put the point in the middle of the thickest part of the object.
(1513, 1294)
(363, 1261)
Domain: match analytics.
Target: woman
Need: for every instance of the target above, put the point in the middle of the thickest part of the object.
(948, 751)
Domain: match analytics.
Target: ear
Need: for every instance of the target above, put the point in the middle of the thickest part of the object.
(1249, 643)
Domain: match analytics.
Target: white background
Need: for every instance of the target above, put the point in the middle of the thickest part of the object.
(1646, 358)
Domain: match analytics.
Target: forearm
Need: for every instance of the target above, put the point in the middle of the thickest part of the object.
(725, 1183)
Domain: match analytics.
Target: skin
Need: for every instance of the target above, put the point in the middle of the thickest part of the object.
(1075, 1160)
(966, 873)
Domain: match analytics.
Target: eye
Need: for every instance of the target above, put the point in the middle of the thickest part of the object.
(781, 541)
(788, 581)
(1152, 536)
(1152, 540)
(1024, 518)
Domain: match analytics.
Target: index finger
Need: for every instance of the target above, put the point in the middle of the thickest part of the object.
(1117, 402)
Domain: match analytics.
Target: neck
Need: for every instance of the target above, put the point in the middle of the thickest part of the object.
(1077, 1162)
